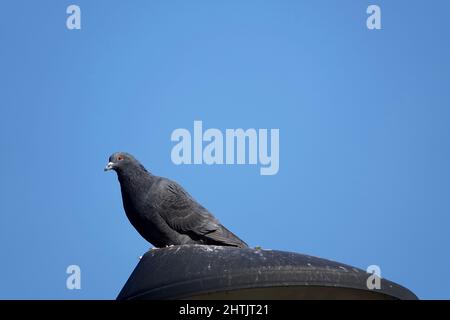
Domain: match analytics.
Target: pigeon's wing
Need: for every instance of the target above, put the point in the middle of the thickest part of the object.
(185, 215)
(181, 212)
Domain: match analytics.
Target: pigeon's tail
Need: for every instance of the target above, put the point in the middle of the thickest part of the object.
(224, 237)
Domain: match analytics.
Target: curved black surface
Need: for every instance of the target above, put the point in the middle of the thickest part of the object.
(214, 272)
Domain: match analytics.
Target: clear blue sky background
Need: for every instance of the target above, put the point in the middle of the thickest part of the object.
(363, 116)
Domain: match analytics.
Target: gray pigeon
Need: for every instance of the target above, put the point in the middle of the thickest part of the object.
(162, 211)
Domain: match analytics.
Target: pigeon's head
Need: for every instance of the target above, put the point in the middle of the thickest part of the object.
(120, 161)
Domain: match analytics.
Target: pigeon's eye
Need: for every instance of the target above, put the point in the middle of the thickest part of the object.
(119, 158)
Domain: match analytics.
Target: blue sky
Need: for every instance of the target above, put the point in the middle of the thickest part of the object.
(363, 116)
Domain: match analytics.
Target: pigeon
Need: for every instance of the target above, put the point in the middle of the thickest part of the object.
(162, 211)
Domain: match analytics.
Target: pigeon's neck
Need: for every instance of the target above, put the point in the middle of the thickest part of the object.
(135, 181)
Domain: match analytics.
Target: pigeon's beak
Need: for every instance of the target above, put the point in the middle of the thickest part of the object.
(109, 166)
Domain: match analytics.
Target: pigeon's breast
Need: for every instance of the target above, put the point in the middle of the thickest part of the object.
(149, 224)
(137, 210)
